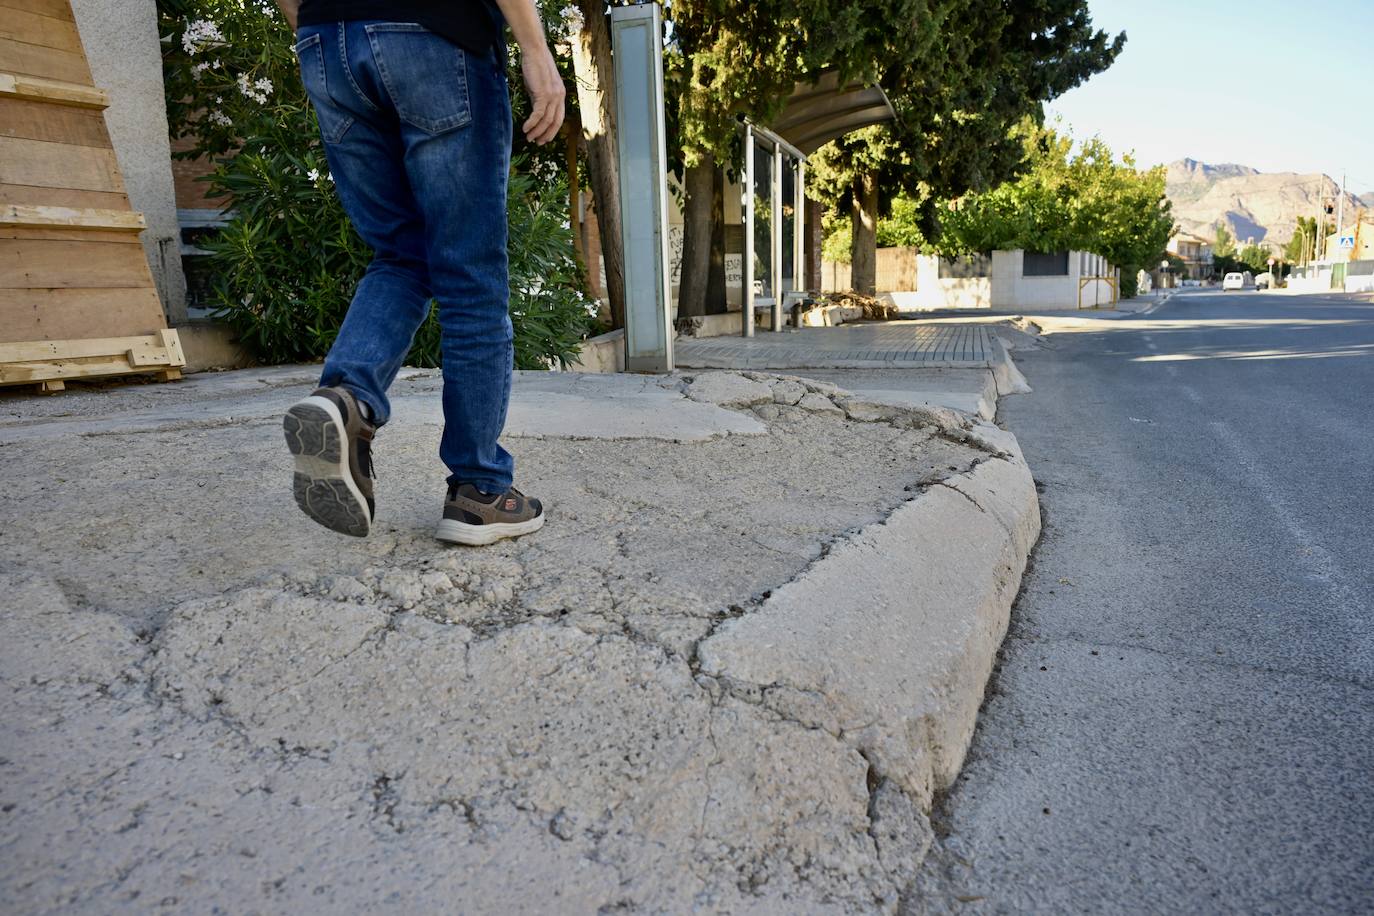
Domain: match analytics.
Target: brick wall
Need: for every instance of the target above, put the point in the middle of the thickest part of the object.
(190, 193)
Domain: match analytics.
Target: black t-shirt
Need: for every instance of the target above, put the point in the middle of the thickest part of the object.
(473, 25)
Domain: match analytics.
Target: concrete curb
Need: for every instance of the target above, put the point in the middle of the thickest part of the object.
(211, 345)
(887, 642)
(982, 404)
(767, 363)
(603, 353)
(1004, 372)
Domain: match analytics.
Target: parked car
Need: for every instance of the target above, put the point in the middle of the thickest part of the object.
(1233, 281)
(1264, 280)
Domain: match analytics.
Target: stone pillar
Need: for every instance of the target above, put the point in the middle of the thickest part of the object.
(121, 42)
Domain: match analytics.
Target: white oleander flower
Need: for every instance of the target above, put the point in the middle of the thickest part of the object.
(199, 33)
(253, 90)
(220, 118)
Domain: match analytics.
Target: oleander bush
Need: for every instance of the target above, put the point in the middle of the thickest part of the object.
(285, 265)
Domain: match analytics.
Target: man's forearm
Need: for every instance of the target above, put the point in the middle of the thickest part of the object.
(289, 9)
(539, 69)
(524, 22)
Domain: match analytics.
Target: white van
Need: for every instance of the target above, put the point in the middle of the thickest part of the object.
(1233, 281)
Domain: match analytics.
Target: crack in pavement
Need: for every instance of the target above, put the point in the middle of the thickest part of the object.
(233, 652)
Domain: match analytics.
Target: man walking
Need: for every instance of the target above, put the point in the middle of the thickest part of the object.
(414, 110)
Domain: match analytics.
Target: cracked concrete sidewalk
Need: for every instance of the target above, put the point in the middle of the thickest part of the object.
(729, 674)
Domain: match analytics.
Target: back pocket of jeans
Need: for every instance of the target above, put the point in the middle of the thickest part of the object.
(425, 75)
(334, 121)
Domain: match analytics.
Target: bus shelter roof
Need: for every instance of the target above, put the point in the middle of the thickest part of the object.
(824, 110)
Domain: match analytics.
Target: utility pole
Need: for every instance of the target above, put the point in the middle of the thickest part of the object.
(1340, 211)
(1317, 226)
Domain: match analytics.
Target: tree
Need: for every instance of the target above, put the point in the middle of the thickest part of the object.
(849, 172)
(595, 78)
(733, 60)
(1223, 245)
(1299, 247)
(990, 65)
(1304, 244)
(1083, 201)
(1255, 257)
(1118, 211)
(902, 225)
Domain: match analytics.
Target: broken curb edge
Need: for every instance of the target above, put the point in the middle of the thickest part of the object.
(888, 641)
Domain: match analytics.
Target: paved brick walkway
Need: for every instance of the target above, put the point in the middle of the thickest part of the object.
(892, 344)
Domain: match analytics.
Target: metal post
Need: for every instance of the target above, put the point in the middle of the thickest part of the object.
(746, 299)
(637, 41)
(775, 243)
(799, 228)
(1317, 226)
(1340, 211)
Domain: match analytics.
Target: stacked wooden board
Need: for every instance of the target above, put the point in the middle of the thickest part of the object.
(76, 296)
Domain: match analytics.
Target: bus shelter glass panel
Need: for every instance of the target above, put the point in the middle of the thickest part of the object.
(789, 223)
(763, 218)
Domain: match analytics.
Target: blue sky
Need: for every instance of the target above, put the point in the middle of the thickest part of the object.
(1234, 82)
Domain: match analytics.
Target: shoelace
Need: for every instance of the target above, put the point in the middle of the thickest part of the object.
(365, 457)
(453, 491)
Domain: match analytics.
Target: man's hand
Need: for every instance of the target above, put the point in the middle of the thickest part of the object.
(542, 80)
(545, 86)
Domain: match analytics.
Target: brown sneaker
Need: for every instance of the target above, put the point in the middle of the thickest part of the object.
(333, 448)
(475, 518)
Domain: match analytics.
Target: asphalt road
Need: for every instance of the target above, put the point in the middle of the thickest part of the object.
(1183, 719)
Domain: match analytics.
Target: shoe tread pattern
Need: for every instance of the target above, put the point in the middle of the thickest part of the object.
(311, 433)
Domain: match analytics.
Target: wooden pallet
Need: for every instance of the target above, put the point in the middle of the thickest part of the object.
(50, 363)
(76, 296)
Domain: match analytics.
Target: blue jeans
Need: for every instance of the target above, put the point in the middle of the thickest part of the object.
(417, 132)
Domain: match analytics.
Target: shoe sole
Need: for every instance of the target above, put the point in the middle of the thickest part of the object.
(456, 532)
(323, 482)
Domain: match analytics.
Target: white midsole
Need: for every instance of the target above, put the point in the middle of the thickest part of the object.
(317, 468)
(476, 535)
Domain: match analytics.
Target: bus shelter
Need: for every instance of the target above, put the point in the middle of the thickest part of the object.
(773, 188)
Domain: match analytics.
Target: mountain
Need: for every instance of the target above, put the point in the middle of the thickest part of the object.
(1263, 206)
(1190, 179)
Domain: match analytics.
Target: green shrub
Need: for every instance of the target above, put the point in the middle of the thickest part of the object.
(285, 266)
(287, 263)
(899, 228)
(1130, 284)
(549, 309)
(838, 238)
